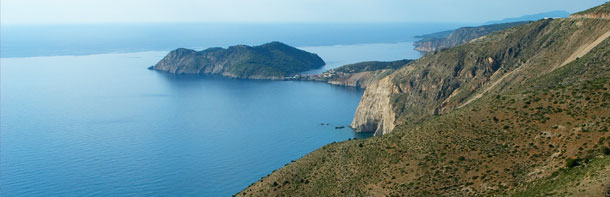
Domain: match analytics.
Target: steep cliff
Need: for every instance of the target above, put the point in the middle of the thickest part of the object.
(273, 60)
(523, 112)
(443, 40)
(374, 114)
(442, 81)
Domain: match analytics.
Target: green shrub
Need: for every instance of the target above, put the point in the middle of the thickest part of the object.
(606, 151)
(570, 163)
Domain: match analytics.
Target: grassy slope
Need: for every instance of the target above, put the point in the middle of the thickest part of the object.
(503, 143)
(592, 179)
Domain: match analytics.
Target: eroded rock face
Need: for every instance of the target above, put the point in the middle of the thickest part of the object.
(592, 15)
(459, 76)
(599, 12)
(430, 45)
(374, 113)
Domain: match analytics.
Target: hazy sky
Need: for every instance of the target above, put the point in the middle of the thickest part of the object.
(108, 11)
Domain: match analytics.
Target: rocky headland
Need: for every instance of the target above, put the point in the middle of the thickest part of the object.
(359, 75)
(273, 60)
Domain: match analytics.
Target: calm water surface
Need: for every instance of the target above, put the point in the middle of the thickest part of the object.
(339, 55)
(104, 125)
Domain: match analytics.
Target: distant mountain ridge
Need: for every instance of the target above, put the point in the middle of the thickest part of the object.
(448, 39)
(273, 60)
(532, 17)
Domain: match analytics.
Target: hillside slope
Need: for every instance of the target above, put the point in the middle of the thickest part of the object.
(445, 80)
(596, 12)
(273, 60)
(496, 145)
(505, 115)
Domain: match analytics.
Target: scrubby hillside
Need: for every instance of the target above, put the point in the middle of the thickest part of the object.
(504, 61)
(522, 112)
(500, 144)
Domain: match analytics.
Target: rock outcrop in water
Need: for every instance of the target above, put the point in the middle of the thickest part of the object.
(273, 60)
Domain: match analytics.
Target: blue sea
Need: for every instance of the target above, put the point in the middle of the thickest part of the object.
(80, 115)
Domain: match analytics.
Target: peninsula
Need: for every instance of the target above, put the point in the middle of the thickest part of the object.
(273, 60)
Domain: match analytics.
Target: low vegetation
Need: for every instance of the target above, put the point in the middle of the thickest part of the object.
(371, 66)
(506, 115)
